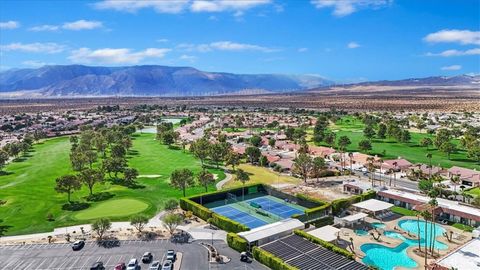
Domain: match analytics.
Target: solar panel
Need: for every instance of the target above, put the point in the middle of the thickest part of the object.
(305, 255)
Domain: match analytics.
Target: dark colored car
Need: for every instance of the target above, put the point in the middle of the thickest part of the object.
(120, 266)
(147, 257)
(97, 266)
(171, 255)
(77, 245)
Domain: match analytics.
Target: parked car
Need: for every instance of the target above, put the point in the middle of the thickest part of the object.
(132, 264)
(244, 257)
(167, 265)
(171, 255)
(120, 266)
(147, 257)
(155, 265)
(97, 266)
(77, 245)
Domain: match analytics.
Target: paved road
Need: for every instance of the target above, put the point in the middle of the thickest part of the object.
(400, 182)
(61, 256)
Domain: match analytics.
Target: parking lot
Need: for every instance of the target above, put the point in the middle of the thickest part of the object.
(61, 256)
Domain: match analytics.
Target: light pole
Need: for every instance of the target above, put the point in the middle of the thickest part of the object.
(212, 238)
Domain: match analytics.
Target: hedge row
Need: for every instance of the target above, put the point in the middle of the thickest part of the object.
(236, 242)
(227, 190)
(310, 199)
(317, 212)
(227, 224)
(323, 222)
(325, 244)
(270, 260)
(196, 208)
(339, 205)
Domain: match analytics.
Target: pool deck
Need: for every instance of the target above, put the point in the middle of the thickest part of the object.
(358, 241)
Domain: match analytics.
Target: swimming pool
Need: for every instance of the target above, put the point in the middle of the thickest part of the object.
(378, 225)
(361, 232)
(387, 258)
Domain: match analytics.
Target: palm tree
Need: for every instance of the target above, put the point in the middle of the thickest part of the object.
(395, 173)
(429, 156)
(433, 205)
(418, 229)
(371, 168)
(350, 155)
(455, 180)
(381, 162)
(426, 217)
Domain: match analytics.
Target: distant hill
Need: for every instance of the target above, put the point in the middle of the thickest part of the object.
(151, 80)
(464, 80)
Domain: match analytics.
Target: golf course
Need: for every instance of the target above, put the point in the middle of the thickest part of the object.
(32, 205)
(391, 149)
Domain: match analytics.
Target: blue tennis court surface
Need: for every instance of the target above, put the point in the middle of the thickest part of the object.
(277, 208)
(239, 216)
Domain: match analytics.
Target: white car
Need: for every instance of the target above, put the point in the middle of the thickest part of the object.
(132, 264)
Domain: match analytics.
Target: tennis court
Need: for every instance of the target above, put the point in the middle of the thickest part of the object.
(281, 209)
(239, 216)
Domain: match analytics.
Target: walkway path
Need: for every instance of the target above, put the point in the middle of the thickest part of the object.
(220, 184)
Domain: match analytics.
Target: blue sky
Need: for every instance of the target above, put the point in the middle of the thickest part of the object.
(344, 40)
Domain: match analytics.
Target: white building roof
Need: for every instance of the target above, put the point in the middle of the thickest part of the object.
(355, 217)
(465, 257)
(326, 233)
(443, 203)
(272, 229)
(373, 205)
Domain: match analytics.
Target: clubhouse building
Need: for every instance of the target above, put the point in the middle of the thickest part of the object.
(448, 210)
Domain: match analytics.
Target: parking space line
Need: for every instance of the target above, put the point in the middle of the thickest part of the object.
(64, 261)
(12, 262)
(52, 263)
(85, 263)
(75, 262)
(44, 260)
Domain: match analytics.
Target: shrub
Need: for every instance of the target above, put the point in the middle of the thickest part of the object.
(270, 260)
(75, 206)
(326, 173)
(310, 199)
(197, 209)
(323, 222)
(227, 224)
(171, 204)
(341, 204)
(325, 244)
(236, 242)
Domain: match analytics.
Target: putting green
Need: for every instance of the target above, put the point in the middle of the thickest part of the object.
(113, 208)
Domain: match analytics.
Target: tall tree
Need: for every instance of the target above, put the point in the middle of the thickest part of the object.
(242, 177)
(3, 158)
(232, 159)
(181, 179)
(368, 132)
(365, 145)
(101, 226)
(200, 149)
(303, 165)
(205, 178)
(253, 154)
(318, 165)
(90, 177)
(67, 184)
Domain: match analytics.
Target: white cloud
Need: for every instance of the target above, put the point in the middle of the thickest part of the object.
(224, 46)
(448, 53)
(115, 56)
(225, 5)
(302, 49)
(463, 37)
(353, 45)
(189, 58)
(45, 27)
(33, 63)
(346, 7)
(452, 67)
(175, 6)
(162, 40)
(178, 6)
(9, 25)
(82, 25)
(36, 47)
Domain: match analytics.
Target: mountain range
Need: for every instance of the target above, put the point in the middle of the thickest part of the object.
(153, 80)
(79, 80)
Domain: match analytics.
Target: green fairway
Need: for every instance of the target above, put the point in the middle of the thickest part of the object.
(113, 208)
(30, 195)
(391, 149)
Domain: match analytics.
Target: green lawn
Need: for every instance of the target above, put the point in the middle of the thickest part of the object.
(390, 149)
(403, 211)
(29, 188)
(474, 191)
(113, 208)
